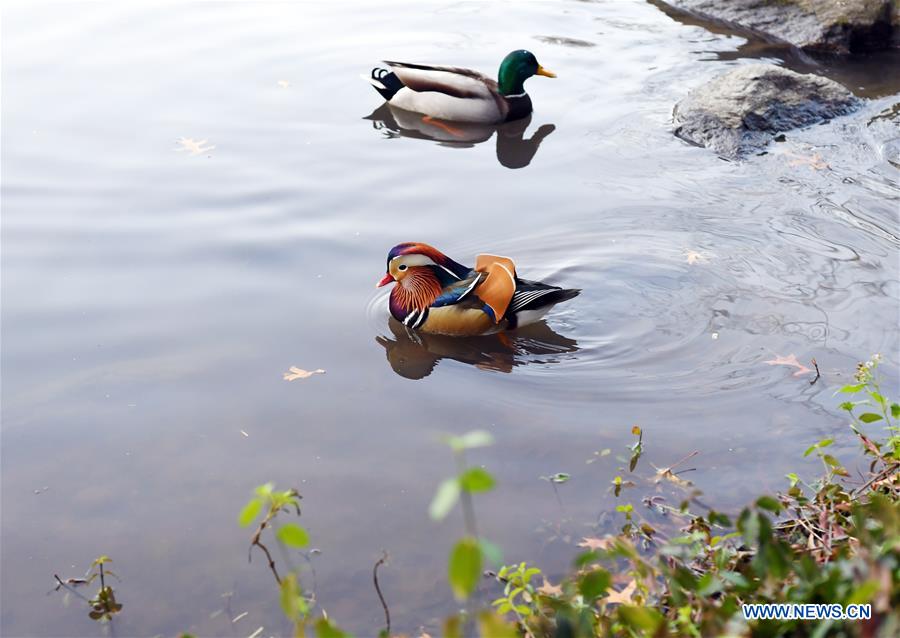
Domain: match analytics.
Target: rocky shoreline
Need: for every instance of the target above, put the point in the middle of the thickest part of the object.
(815, 26)
(739, 112)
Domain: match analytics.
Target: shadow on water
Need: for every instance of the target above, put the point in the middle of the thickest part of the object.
(414, 355)
(866, 74)
(513, 149)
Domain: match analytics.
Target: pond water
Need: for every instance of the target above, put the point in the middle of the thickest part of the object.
(154, 295)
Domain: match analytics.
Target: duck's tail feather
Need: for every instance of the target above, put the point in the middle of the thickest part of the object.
(532, 298)
(385, 82)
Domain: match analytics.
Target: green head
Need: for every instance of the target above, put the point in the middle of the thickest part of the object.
(517, 67)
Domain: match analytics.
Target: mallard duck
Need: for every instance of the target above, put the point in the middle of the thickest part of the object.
(435, 294)
(460, 95)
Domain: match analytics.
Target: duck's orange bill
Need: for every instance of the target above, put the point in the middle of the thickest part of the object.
(388, 278)
(546, 73)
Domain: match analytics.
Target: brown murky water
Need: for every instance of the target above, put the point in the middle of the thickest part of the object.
(152, 298)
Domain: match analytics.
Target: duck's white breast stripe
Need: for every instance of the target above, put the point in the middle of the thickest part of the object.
(450, 271)
(469, 289)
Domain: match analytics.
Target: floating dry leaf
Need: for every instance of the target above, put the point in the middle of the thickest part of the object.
(814, 161)
(297, 373)
(244, 433)
(693, 256)
(790, 360)
(668, 474)
(283, 84)
(194, 147)
(550, 590)
(622, 597)
(596, 543)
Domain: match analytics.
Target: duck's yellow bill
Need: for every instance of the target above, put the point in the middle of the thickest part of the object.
(547, 74)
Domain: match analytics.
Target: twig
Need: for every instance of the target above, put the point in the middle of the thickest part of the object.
(255, 541)
(881, 475)
(816, 366)
(387, 612)
(69, 588)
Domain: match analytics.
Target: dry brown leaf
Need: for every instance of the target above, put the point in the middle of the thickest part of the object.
(596, 543)
(621, 597)
(667, 474)
(790, 360)
(194, 147)
(814, 161)
(297, 373)
(549, 590)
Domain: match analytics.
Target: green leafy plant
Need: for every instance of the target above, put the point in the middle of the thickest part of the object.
(103, 605)
(466, 557)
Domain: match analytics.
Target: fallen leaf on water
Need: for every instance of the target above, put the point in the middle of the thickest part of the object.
(194, 147)
(296, 373)
(550, 590)
(596, 543)
(693, 256)
(244, 433)
(667, 474)
(283, 84)
(790, 360)
(623, 596)
(814, 161)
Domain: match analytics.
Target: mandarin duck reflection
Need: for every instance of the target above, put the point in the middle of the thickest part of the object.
(435, 294)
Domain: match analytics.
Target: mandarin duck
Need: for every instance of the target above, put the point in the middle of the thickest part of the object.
(434, 294)
(460, 95)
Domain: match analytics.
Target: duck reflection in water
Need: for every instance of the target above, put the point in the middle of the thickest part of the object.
(414, 355)
(513, 150)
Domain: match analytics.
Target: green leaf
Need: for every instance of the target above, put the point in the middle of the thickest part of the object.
(864, 593)
(265, 490)
(794, 479)
(469, 440)
(895, 410)
(646, 619)
(464, 568)
(768, 503)
(820, 444)
(558, 478)
(881, 400)
(852, 389)
(869, 417)
(250, 512)
(476, 479)
(292, 535)
(490, 625)
(293, 604)
(491, 552)
(444, 499)
(453, 626)
(594, 584)
(325, 628)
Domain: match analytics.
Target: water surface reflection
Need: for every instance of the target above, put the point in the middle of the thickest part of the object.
(414, 355)
(514, 150)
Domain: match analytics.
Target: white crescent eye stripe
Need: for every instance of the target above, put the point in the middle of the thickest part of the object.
(421, 260)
